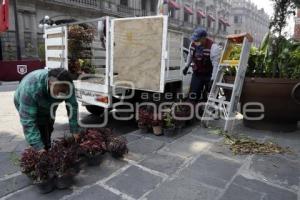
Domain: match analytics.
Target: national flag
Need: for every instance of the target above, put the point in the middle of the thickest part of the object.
(4, 16)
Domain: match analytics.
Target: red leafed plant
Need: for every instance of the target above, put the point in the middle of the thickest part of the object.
(37, 166)
(116, 145)
(145, 116)
(92, 142)
(64, 155)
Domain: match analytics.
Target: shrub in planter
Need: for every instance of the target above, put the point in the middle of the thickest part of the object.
(39, 168)
(273, 71)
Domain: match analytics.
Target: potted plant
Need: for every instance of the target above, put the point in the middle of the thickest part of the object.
(144, 119)
(39, 168)
(168, 124)
(117, 146)
(157, 127)
(64, 154)
(181, 111)
(80, 38)
(92, 145)
(273, 75)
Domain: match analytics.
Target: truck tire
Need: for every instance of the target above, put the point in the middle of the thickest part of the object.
(95, 110)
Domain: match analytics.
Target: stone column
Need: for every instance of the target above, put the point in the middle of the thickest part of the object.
(21, 33)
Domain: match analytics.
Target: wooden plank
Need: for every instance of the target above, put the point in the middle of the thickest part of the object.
(137, 52)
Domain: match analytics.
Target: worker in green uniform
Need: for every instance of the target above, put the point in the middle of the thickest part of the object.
(37, 98)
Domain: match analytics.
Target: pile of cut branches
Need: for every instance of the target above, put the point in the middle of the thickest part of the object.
(242, 145)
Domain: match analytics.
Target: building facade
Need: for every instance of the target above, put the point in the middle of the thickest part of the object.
(185, 15)
(246, 17)
(297, 25)
(210, 14)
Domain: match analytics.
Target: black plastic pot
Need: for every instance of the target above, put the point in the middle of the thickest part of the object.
(94, 160)
(80, 163)
(180, 124)
(65, 181)
(170, 131)
(45, 187)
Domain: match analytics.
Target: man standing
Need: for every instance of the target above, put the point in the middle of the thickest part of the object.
(37, 98)
(202, 59)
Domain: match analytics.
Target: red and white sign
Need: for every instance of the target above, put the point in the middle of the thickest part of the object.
(22, 69)
(4, 16)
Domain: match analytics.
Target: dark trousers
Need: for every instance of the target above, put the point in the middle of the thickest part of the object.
(200, 86)
(46, 129)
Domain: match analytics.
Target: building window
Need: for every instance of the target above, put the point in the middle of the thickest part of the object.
(186, 17)
(27, 21)
(144, 7)
(153, 6)
(124, 2)
(238, 19)
(172, 12)
(199, 20)
(209, 23)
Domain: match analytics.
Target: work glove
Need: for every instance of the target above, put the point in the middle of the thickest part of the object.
(185, 71)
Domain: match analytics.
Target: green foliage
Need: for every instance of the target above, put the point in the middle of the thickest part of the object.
(277, 57)
(41, 51)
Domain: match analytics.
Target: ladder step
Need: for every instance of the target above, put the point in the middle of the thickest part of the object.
(230, 62)
(225, 85)
(218, 101)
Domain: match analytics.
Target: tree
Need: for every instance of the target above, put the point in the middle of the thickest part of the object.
(283, 9)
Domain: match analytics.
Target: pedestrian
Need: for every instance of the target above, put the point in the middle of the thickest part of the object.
(37, 98)
(200, 56)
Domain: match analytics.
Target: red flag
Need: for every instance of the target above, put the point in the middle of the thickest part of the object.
(4, 16)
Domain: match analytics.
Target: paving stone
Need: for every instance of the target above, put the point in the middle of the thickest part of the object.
(243, 188)
(132, 136)
(13, 184)
(134, 182)
(183, 188)
(187, 146)
(208, 134)
(163, 163)
(33, 193)
(235, 192)
(96, 192)
(90, 175)
(277, 170)
(7, 164)
(211, 171)
(168, 139)
(140, 148)
(222, 149)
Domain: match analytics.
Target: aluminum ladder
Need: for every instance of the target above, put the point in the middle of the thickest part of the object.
(216, 105)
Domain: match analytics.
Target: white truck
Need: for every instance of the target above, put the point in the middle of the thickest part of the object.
(139, 55)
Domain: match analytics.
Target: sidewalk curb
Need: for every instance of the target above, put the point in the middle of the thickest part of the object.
(4, 83)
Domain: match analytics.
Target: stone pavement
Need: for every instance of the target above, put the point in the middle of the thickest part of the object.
(193, 165)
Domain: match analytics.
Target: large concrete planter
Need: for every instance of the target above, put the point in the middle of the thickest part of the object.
(279, 98)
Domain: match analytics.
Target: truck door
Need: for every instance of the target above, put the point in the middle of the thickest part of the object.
(139, 53)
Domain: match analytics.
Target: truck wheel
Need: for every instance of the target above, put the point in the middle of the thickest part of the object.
(95, 110)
